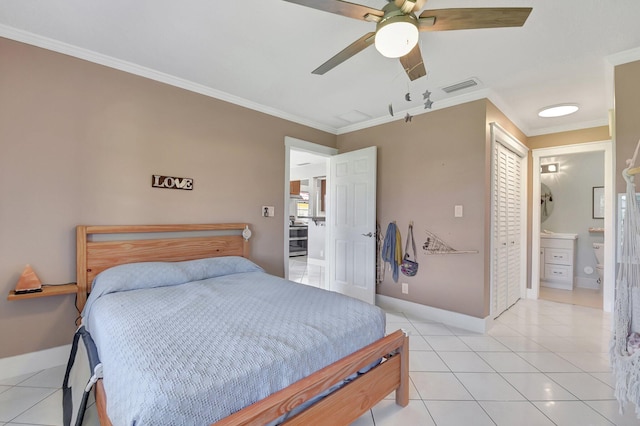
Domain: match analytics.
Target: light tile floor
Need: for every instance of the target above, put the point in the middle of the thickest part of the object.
(301, 271)
(543, 363)
(577, 296)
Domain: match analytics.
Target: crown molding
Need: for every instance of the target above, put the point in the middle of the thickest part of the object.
(131, 68)
(508, 112)
(624, 57)
(415, 111)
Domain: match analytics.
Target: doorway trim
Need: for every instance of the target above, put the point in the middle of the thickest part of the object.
(299, 145)
(609, 217)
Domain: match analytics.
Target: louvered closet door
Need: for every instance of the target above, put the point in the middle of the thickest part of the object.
(507, 215)
(500, 232)
(514, 176)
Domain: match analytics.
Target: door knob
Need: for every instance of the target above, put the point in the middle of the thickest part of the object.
(369, 234)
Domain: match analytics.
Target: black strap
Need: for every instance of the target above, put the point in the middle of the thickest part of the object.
(67, 401)
(413, 243)
(67, 392)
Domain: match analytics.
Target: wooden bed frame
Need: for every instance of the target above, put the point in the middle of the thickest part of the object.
(339, 408)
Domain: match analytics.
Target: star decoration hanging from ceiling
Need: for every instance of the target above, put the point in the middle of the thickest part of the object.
(428, 103)
(426, 96)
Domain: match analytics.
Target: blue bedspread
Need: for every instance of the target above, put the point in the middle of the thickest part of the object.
(189, 343)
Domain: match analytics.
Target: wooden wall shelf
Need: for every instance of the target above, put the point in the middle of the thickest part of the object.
(47, 290)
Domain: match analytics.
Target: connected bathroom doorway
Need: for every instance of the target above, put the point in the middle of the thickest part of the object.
(572, 216)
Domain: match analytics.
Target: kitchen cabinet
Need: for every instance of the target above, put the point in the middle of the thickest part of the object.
(294, 187)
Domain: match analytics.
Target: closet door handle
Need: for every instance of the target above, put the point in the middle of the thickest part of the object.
(369, 234)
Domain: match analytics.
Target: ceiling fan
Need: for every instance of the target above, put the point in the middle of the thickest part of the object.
(398, 27)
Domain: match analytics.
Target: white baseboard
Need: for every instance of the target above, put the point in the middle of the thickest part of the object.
(455, 319)
(34, 361)
(558, 285)
(590, 283)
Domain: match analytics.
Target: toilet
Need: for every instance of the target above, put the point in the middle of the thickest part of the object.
(598, 249)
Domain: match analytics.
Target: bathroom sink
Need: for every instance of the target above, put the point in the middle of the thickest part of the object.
(560, 235)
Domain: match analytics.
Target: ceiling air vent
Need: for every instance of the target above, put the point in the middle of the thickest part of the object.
(459, 86)
(354, 116)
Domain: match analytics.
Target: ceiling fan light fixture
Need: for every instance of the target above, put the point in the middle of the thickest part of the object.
(396, 35)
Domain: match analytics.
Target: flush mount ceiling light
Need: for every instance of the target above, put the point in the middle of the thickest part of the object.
(557, 110)
(396, 34)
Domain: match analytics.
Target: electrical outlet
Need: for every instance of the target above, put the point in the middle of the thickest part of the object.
(405, 288)
(268, 211)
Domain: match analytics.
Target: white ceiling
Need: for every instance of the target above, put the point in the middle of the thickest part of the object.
(260, 54)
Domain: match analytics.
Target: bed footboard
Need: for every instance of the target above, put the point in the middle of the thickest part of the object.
(347, 403)
(341, 407)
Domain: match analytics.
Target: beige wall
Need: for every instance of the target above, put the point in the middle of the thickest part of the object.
(425, 168)
(593, 134)
(627, 117)
(79, 143)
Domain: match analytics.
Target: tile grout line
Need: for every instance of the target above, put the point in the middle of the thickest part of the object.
(500, 374)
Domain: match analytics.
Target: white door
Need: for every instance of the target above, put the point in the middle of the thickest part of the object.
(352, 215)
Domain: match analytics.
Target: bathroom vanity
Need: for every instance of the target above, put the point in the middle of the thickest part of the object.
(557, 260)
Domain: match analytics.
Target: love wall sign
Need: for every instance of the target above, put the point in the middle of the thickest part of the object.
(171, 182)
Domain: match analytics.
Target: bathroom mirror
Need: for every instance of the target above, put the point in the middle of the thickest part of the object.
(546, 202)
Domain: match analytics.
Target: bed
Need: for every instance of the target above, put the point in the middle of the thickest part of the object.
(321, 360)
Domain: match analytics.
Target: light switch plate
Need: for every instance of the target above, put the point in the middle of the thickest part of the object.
(268, 211)
(457, 211)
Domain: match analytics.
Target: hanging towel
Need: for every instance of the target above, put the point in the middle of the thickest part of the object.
(392, 249)
(398, 257)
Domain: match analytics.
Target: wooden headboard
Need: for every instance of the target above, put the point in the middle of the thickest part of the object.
(182, 242)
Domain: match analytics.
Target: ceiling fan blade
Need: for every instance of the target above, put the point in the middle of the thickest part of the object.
(339, 7)
(413, 64)
(355, 47)
(473, 18)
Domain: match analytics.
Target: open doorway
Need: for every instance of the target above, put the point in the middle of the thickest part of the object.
(572, 222)
(573, 213)
(306, 194)
(350, 211)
